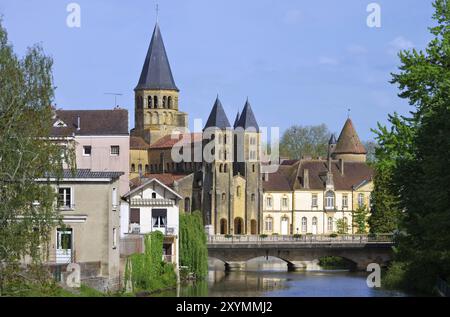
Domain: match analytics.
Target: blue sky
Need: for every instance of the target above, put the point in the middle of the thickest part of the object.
(299, 62)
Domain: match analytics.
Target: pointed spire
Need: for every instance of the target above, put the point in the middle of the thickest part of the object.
(349, 142)
(236, 120)
(217, 117)
(332, 140)
(247, 119)
(156, 72)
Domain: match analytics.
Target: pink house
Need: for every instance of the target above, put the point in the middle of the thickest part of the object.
(102, 140)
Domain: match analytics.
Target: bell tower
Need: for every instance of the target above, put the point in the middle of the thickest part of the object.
(156, 95)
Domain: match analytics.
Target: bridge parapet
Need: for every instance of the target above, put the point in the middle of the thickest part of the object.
(307, 239)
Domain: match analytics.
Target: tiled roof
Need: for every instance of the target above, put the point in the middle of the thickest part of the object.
(349, 142)
(156, 72)
(167, 142)
(92, 122)
(276, 182)
(138, 143)
(166, 178)
(87, 174)
(217, 118)
(247, 119)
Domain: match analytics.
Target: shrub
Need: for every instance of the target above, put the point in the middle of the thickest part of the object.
(263, 236)
(333, 235)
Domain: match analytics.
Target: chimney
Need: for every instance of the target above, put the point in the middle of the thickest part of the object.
(306, 178)
(341, 166)
(266, 176)
(78, 123)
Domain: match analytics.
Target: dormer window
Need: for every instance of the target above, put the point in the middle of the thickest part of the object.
(59, 124)
(329, 200)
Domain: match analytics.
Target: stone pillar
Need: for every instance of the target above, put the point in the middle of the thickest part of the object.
(235, 266)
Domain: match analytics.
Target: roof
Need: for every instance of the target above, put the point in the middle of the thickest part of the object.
(88, 174)
(167, 142)
(138, 143)
(276, 182)
(354, 174)
(349, 142)
(91, 122)
(247, 119)
(217, 117)
(236, 120)
(156, 72)
(332, 139)
(148, 182)
(165, 178)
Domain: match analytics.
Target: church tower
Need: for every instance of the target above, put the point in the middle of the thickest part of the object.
(247, 163)
(217, 171)
(156, 95)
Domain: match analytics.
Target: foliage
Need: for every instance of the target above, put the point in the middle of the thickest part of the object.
(27, 213)
(415, 156)
(342, 226)
(360, 219)
(263, 236)
(371, 147)
(193, 250)
(147, 271)
(333, 235)
(334, 263)
(298, 141)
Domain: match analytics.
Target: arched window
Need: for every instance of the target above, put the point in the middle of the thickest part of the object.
(253, 168)
(253, 198)
(149, 101)
(268, 224)
(187, 204)
(238, 225)
(329, 200)
(223, 226)
(147, 170)
(153, 195)
(169, 102)
(253, 225)
(304, 224)
(285, 202)
(133, 168)
(269, 202)
(314, 225)
(360, 200)
(164, 102)
(225, 139)
(221, 168)
(238, 191)
(155, 102)
(225, 168)
(330, 224)
(345, 225)
(224, 196)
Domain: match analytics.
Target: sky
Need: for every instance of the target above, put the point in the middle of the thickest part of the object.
(299, 62)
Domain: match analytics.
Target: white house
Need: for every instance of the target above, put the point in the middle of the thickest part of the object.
(153, 206)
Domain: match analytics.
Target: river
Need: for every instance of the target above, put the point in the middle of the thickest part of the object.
(271, 279)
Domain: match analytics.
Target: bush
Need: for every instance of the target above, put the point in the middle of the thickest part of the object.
(228, 236)
(334, 263)
(263, 236)
(297, 236)
(333, 235)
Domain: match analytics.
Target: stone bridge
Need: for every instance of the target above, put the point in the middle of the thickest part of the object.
(302, 253)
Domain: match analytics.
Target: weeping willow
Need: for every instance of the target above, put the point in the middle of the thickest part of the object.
(147, 271)
(193, 250)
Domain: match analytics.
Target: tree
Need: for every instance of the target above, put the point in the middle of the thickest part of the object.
(310, 140)
(360, 219)
(26, 207)
(342, 226)
(415, 156)
(371, 147)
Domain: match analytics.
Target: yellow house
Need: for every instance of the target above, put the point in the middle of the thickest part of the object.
(139, 164)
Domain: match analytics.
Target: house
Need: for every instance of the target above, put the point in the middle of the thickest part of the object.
(88, 203)
(100, 137)
(153, 206)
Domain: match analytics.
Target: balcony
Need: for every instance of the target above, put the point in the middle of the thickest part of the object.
(152, 202)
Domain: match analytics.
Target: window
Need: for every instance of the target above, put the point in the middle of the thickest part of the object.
(114, 238)
(268, 224)
(155, 102)
(314, 200)
(330, 224)
(65, 197)
(170, 102)
(285, 202)
(269, 202)
(147, 170)
(345, 201)
(187, 204)
(329, 200)
(133, 168)
(304, 224)
(153, 195)
(224, 197)
(225, 168)
(314, 221)
(159, 217)
(114, 197)
(140, 169)
(253, 168)
(149, 101)
(360, 200)
(87, 150)
(135, 215)
(115, 150)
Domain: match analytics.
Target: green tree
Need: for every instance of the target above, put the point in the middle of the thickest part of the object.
(342, 226)
(371, 147)
(193, 249)
(360, 219)
(416, 166)
(26, 207)
(310, 140)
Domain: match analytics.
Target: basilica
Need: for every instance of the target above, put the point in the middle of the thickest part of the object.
(232, 191)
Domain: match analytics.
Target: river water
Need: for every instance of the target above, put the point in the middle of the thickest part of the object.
(272, 280)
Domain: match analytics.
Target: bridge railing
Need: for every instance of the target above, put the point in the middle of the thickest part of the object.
(354, 238)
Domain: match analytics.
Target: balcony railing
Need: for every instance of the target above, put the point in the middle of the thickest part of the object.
(304, 239)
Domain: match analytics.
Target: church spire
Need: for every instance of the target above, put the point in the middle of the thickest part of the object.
(156, 73)
(217, 117)
(247, 119)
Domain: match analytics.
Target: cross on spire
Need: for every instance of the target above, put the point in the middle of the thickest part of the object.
(348, 113)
